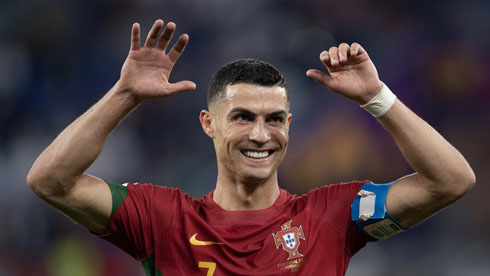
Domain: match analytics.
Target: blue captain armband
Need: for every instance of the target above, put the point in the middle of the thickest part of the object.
(370, 214)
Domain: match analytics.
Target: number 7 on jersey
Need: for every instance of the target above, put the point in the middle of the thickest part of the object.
(209, 265)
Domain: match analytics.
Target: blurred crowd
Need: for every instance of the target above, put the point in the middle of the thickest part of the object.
(58, 57)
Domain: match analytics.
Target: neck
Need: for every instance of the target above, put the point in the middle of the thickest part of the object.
(233, 194)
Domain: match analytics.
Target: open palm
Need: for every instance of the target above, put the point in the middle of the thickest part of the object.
(146, 71)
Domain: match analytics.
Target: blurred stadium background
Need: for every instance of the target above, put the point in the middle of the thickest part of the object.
(58, 57)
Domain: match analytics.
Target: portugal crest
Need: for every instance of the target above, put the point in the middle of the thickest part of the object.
(289, 238)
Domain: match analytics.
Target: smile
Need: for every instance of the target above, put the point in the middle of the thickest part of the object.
(257, 154)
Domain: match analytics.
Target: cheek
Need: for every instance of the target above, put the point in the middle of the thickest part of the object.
(236, 133)
(283, 135)
(227, 143)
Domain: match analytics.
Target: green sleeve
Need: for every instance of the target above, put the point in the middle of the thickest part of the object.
(119, 193)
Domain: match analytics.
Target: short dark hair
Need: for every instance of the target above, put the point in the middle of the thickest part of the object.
(249, 70)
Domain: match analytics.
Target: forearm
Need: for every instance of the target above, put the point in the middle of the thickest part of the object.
(427, 152)
(442, 174)
(63, 162)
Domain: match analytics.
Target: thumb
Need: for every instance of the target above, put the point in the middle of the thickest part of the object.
(321, 77)
(182, 86)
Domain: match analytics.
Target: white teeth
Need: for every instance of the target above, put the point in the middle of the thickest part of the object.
(256, 154)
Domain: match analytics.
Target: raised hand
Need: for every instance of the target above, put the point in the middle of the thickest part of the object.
(146, 71)
(351, 72)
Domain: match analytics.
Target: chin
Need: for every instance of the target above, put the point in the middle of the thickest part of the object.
(257, 176)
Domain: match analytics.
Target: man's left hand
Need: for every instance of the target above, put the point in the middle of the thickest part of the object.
(351, 72)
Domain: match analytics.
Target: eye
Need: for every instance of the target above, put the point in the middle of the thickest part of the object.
(276, 119)
(243, 118)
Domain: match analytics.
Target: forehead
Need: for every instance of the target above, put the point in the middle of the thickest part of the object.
(255, 98)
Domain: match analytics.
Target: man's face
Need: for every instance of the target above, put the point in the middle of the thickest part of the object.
(250, 131)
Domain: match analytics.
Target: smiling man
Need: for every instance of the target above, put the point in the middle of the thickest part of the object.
(247, 225)
(248, 120)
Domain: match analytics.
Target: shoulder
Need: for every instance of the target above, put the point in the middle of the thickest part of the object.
(337, 192)
(333, 201)
(151, 189)
(332, 192)
(147, 194)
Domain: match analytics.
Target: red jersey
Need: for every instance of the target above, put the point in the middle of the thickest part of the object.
(175, 234)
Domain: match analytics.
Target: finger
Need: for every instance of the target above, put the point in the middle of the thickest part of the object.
(325, 58)
(182, 86)
(166, 35)
(178, 48)
(135, 37)
(356, 49)
(322, 78)
(344, 52)
(151, 39)
(319, 76)
(334, 56)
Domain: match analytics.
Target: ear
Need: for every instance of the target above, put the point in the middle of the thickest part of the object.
(207, 123)
(290, 116)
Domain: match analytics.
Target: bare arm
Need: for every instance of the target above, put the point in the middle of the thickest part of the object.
(442, 174)
(57, 175)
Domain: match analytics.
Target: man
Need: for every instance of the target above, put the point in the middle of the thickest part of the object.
(247, 225)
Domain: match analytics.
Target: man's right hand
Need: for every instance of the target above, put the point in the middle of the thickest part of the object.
(58, 175)
(146, 71)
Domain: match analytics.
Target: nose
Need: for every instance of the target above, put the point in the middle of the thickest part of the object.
(260, 134)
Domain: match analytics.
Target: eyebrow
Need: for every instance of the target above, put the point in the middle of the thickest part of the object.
(277, 113)
(248, 112)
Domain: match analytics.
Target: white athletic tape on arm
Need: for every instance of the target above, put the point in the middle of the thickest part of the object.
(369, 211)
(366, 204)
(381, 103)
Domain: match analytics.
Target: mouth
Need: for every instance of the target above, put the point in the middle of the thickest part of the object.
(254, 154)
